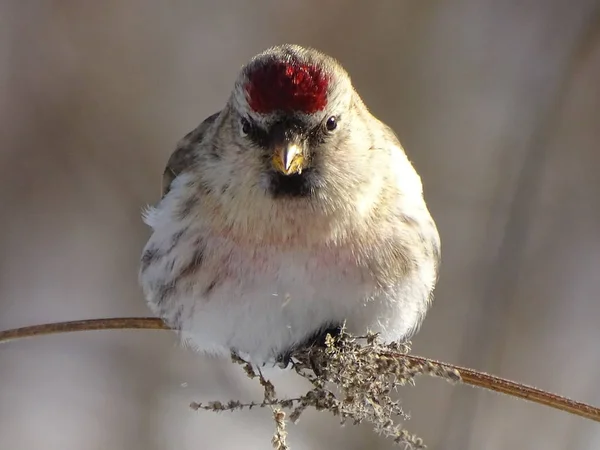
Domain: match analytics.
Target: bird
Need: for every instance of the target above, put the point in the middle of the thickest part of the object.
(291, 213)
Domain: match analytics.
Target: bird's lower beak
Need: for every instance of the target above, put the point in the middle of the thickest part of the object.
(288, 159)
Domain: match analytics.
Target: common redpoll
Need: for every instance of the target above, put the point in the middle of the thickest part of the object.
(290, 212)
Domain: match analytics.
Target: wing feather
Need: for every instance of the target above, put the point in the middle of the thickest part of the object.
(184, 156)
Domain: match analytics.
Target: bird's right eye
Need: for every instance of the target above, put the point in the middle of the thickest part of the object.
(245, 127)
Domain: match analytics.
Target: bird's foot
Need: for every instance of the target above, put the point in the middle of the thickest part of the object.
(317, 339)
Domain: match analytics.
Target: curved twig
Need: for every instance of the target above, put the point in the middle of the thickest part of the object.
(116, 323)
(468, 376)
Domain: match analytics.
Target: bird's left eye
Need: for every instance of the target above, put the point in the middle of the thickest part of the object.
(245, 127)
(331, 123)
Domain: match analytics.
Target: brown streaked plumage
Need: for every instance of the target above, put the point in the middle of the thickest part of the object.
(185, 155)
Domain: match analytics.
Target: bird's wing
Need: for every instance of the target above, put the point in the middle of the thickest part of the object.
(425, 227)
(183, 157)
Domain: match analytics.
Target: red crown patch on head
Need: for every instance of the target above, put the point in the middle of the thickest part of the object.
(287, 86)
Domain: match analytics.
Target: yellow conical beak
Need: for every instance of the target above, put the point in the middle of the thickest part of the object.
(288, 159)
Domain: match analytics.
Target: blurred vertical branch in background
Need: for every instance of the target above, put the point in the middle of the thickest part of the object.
(484, 342)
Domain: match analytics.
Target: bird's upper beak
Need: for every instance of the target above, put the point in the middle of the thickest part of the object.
(288, 158)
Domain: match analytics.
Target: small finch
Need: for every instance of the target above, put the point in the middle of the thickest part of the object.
(290, 213)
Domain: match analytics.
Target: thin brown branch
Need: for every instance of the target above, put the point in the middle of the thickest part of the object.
(117, 323)
(468, 376)
(522, 391)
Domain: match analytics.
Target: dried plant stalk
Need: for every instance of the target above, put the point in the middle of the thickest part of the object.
(468, 376)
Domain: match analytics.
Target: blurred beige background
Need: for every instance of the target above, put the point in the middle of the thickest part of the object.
(497, 103)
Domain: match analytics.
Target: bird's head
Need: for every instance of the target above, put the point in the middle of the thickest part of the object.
(290, 115)
(296, 138)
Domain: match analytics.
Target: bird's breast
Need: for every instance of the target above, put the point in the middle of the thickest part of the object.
(265, 299)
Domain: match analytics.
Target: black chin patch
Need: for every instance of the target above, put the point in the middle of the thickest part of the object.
(297, 185)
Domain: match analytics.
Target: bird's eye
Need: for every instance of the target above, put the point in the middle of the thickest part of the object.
(245, 127)
(331, 123)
